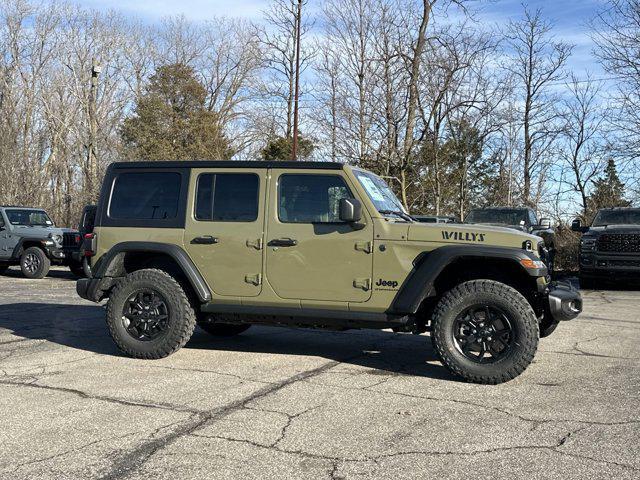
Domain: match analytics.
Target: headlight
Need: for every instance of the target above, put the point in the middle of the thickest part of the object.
(57, 239)
(587, 243)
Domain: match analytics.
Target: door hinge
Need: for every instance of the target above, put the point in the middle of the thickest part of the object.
(254, 279)
(366, 247)
(363, 283)
(257, 244)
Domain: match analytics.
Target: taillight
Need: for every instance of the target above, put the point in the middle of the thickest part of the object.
(88, 245)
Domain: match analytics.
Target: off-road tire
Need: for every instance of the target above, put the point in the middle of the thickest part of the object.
(547, 328)
(43, 266)
(181, 323)
(520, 314)
(77, 269)
(588, 283)
(221, 329)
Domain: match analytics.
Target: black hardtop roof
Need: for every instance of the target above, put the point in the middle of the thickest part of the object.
(230, 164)
(614, 209)
(502, 208)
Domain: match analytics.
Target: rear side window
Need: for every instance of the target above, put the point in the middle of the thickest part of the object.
(311, 198)
(227, 197)
(145, 196)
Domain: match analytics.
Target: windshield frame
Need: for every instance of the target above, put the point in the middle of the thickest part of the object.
(617, 217)
(375, 185)
(29, 212)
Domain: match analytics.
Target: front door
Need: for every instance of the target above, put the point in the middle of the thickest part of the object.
(224, 228)
(310, 253)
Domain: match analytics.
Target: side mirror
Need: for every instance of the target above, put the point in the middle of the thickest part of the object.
(350, 210)
(576, 225)
(545, 223)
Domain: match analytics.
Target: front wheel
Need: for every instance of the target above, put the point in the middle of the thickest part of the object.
(149, 314)
(34, 263)
(485, 332)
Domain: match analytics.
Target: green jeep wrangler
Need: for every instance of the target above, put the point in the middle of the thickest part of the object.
(229, 244)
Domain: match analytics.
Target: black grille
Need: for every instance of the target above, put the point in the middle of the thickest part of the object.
(619, 242)
(70, 240)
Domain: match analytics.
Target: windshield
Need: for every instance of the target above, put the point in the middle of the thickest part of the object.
(617, 217)
(379, 192)
(29, 218)
(505, 216)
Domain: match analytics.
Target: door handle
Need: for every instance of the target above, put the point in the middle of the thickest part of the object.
(283, 242)
(205, 240)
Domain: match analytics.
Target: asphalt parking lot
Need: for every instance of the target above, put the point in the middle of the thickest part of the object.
(286, 403)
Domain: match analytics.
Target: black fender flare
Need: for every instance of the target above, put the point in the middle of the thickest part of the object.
(111, 263)
(17, 250)
(428, 266)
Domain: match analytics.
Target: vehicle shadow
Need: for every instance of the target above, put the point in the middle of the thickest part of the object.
(61, 273)
(83, 327)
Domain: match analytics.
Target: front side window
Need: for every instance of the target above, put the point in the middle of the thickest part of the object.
(227, 197)
(29, 218)
(145, 196)
(311, 198)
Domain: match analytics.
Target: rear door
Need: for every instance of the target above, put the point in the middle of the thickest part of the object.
(8, 241)
(310, 254)
(224, 228)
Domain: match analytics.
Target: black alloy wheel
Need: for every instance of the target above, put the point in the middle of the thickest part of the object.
(483, 333)
(145, 315)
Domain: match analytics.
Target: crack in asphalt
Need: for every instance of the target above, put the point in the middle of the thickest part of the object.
(102, 398)
(337, 460)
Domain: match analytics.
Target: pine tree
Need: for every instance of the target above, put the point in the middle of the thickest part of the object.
(171, 122)
(608, 191)
(280, 148)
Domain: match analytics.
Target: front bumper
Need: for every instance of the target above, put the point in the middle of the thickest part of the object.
(564, 302)
(601, 263)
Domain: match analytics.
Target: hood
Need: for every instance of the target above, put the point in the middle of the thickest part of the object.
(470, 234)
(503, 225)
(41, 232)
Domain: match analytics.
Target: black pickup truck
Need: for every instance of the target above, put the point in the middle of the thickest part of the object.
(610, 247)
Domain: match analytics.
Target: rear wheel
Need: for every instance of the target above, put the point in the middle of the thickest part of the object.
(149, 314)
(34, 263)
(588, 283)
(485, 332)
(211, 325)
(77, 269)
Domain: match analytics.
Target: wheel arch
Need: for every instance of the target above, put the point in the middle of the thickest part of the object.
(126, 257)
(27, 242)
(440, 269)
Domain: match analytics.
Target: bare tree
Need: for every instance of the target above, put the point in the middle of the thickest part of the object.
(584, 136)
(537, 63)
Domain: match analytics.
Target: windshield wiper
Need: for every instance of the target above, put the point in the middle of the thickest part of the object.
(399, 213)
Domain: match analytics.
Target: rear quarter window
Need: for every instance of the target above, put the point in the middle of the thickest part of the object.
(144, 198)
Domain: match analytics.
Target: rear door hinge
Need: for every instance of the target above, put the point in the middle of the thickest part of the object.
(363, 283)
(366, 247)
(254, 279)
(257, 244)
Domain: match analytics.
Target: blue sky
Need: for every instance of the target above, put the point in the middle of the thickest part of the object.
(569, 16)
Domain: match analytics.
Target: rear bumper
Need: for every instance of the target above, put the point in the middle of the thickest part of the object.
(564, 302)
(94, 288)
